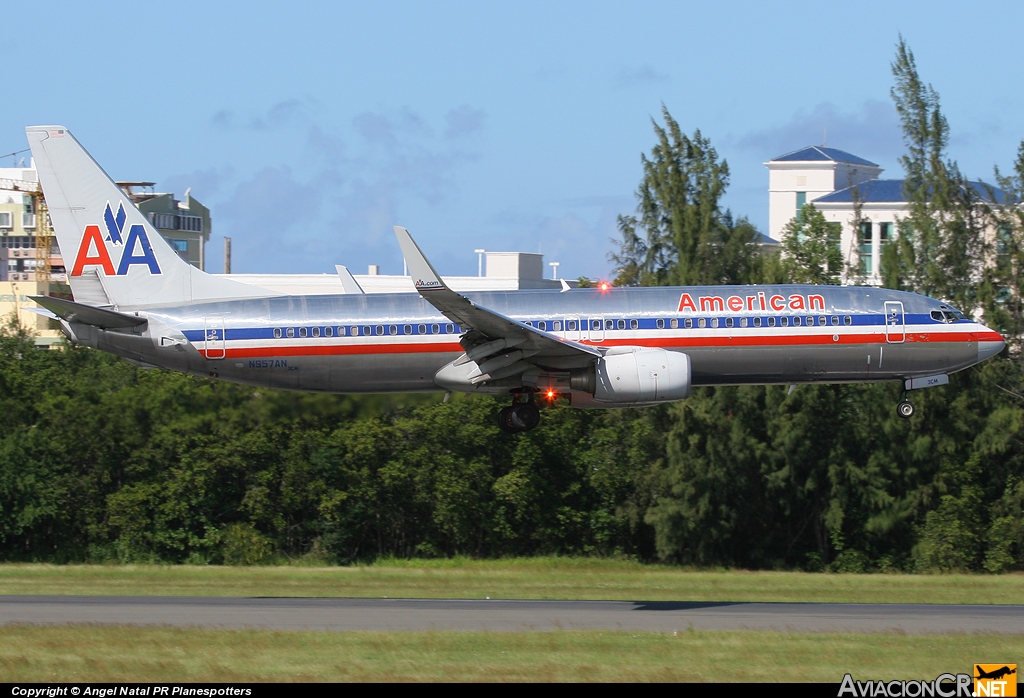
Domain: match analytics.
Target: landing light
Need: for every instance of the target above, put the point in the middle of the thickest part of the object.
(604, 286)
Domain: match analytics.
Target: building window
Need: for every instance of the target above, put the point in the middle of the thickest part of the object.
(801, 200)
(864, 249)
(885, 236)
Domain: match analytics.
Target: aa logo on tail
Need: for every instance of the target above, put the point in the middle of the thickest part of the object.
(135, 248)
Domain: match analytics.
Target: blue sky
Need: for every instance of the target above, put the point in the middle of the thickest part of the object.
(311, 128)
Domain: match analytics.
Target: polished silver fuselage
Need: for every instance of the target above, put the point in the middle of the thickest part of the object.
(377, 343)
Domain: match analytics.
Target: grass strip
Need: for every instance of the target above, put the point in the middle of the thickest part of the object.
(530, 578)
(127, 653)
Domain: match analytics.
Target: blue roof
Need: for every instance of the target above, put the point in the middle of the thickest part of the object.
(891, 191)
(819, 153)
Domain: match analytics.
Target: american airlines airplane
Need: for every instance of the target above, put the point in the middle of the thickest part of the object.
(599, 347)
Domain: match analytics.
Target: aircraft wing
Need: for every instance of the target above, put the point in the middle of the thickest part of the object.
(87, 314)
(491, 332)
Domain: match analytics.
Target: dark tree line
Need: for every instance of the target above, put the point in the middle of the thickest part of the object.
(102, 461)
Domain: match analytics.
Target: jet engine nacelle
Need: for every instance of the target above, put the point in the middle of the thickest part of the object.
(641, 374)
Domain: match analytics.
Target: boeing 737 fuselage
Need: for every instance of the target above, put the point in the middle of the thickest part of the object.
(603, 347)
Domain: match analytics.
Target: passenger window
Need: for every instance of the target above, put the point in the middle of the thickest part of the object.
(822, 321)
(757, 322)
(688, 322)
(380, 330)
(291, 331)
(847, 320)
(660, 323)
(366, 330)
(422, 329)
(392, 329)
(596, 325)
(328, 332)
(277, 333)
(743, 322)
(729, 322)
(634, 324)
(783, 321)
(673, 323)
(570, 324)
(701, 322)
(449, 328)
(714, 322)
(407, 329)
(542, 325)
(316, 331)
(556, 326)
(835, 319)
(771, 322)
(435, 329)
(302, 332)
(609, 324)
(622, 324)
(810, 321)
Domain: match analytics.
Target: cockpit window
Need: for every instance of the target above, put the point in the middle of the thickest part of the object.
(947, 315)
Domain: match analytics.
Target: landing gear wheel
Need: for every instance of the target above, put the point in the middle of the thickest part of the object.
(519, 416)
(525, 416)
(905, 409)
(505, 421)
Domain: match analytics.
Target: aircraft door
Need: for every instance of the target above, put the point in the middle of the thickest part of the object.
(596, 323)
(215, 346)
(895, 323)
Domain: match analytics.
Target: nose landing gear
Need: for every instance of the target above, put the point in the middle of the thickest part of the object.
(906, 408)
(519, 416)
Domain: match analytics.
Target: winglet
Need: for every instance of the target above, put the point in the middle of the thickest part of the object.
(348, 282)
(424, 277)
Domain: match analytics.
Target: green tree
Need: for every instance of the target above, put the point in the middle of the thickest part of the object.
(680, 235)
(942, 238)
(811, 252)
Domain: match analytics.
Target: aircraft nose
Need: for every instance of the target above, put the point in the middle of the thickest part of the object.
(990, 343)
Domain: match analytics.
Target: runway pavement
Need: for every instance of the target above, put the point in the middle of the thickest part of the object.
(333, 614)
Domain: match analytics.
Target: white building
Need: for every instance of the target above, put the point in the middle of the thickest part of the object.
(830, 179)
(505, 271)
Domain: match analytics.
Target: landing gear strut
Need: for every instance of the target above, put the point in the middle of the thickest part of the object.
(519, 416)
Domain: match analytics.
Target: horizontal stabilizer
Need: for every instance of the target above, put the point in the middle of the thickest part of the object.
(88, 315)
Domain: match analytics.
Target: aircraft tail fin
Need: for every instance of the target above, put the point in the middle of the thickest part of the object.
(110, 248)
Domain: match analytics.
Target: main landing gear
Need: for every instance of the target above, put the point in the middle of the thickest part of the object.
(519, 416)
